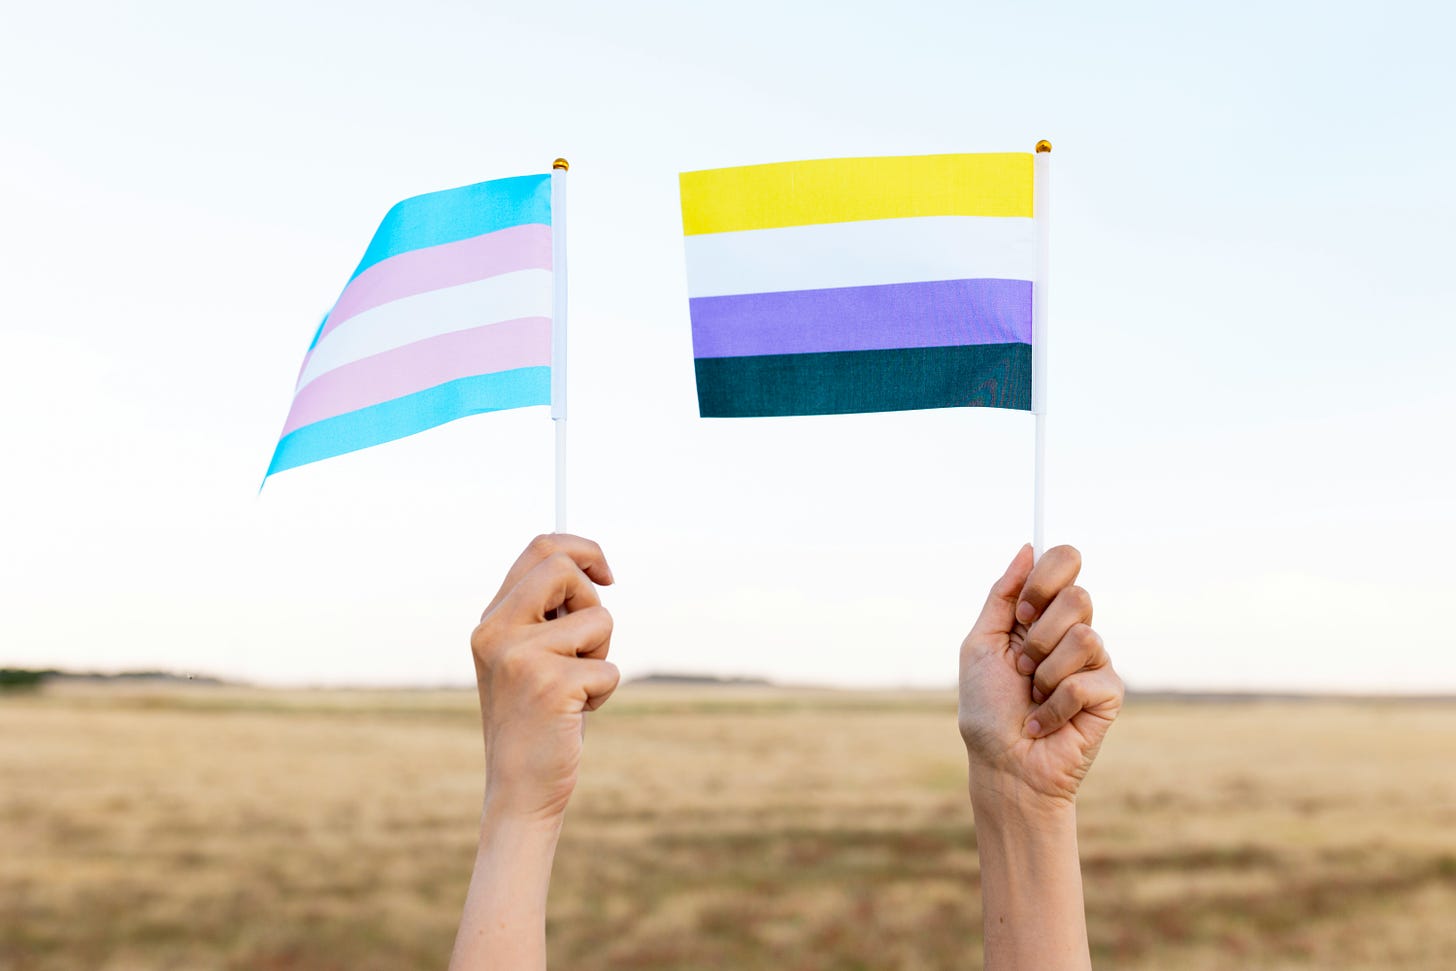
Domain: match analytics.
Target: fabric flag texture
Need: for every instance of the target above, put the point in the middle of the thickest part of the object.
(861, 284)
(447, 315)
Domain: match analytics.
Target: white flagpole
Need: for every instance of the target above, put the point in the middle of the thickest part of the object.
(1041, 215)
(558, 331)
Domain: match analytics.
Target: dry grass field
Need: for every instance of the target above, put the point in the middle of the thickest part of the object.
(200, 828)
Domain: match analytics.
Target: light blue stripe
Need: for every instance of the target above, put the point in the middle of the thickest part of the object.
(456, 214)
(318, 331)
(413, 413)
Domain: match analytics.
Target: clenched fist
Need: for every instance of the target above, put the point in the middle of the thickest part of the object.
(540, 665)
(1037, 690)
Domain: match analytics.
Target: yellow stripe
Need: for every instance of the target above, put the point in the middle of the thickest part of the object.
(840, 190)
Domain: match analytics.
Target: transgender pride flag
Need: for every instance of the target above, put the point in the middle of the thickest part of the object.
(862, 284)
(448, 314)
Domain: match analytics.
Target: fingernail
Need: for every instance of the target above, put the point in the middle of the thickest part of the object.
(1036, 695)
(1025, 665)
(1025, 611)
(1033, 728)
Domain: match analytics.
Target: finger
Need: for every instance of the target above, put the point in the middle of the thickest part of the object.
(1071, 606)
(1099, 690)
(1079, 649)
(585, 633)
(586, 554)
(998, 616)
(598, 679)
(554, 582)
(1057, 567)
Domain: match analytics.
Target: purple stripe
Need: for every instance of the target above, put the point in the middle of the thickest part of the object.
(421, 365)
(941, 313)
(447, 265)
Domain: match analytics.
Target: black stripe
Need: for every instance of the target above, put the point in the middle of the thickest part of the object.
(844, 382)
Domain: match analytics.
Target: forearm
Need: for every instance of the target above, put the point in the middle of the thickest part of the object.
(504, 924)
(1031, 884)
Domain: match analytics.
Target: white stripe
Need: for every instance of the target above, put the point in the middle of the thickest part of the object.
(861, 254)
(523, 293)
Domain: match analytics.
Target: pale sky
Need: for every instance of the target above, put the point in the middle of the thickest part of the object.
(1251, 364)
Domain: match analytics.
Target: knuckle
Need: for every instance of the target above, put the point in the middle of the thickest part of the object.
(1069, 555)
(1084, 639)
(1079, 598)
(559, 565)
(1051, 717)
(1077, 691)
(480, 641)
(517, 663)
(595, 627)
(605, 687)
(485, 640)
(544, 545)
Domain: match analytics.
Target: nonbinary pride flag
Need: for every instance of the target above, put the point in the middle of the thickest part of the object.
(861, 284)
(447, 315)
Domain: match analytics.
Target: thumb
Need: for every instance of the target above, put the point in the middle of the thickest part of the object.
(998, 616)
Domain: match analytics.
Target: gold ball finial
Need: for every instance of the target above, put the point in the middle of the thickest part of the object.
(1043, 147)
(564, 165)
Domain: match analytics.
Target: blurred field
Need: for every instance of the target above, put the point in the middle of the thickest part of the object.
(198, 828)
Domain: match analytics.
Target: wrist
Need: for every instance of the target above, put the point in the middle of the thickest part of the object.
(516, 795)
(503, 820)
(1005, 800)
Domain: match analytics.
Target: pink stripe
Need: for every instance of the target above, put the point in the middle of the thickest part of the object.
(423, 364)
(525, 247)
